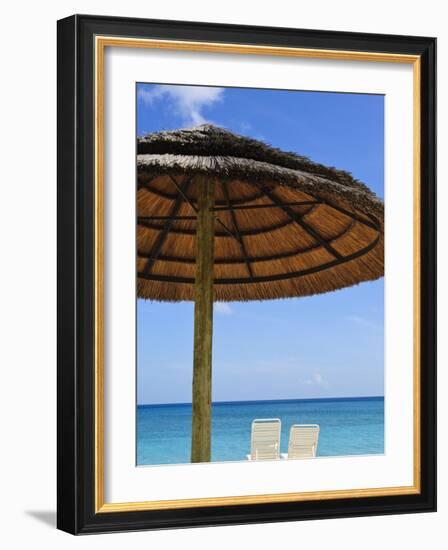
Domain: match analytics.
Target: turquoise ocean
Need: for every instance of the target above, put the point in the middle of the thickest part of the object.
(348, 426)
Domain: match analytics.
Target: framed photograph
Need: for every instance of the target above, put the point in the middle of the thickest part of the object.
(246, 274)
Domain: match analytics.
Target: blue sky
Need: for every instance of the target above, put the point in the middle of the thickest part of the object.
(322, 346)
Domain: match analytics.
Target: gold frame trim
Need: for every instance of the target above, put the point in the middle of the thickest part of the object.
(101, 42)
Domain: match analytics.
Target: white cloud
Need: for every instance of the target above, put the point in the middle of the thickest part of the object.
(316, 380)
(362, 321)
(244, 127)
(223, 308)
(189, 102)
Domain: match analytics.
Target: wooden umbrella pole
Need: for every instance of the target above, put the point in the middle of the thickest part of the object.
(203, 323)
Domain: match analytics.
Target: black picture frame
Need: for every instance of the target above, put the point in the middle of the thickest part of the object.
(76, 301)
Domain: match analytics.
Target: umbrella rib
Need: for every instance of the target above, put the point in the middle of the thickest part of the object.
(222, 224)
(270, 278)
(254, 259)
(169, 196)
(150, 225)
(182, 192)
(229, 231)
(156, 249)
(164, 218)
(374, 224)
(299, 220)
(257, 206)
(238, 234)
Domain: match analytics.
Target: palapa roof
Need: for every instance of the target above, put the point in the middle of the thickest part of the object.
(285, 226)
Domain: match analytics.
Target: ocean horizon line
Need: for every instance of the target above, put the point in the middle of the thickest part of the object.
(258, 401)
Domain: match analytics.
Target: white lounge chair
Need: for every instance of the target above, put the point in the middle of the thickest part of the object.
(303, 440)
(265, 439)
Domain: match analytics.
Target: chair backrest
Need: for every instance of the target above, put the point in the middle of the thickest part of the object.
(303, 440)
(265, 439)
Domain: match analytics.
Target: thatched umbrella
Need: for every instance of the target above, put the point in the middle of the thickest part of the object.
(227, 218)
